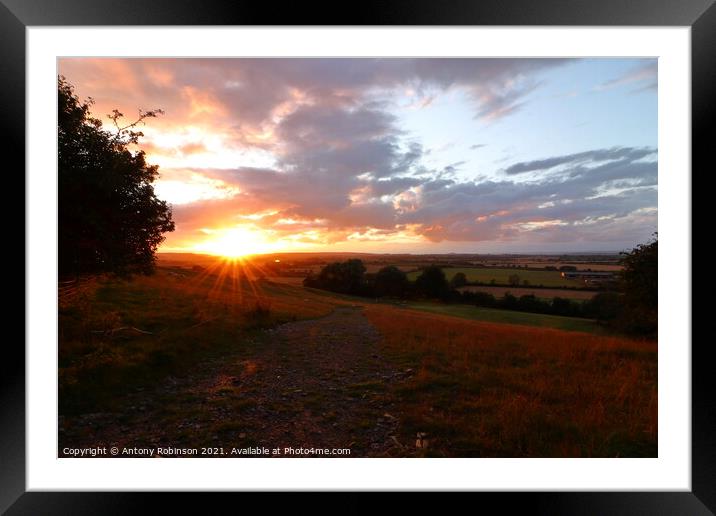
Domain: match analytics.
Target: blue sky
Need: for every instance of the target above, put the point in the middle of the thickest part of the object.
(394, 155)
(568, 113)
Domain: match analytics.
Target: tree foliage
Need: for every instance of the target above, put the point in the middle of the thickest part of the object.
(605, 307)
(458, 280)
(432, 282)
(345, 277)
(639, 282)
(390, 281)
(109, 216)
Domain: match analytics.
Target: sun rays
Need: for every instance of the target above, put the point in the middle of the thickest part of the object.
(233, 282)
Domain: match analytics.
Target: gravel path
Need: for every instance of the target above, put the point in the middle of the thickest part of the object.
(320, 383)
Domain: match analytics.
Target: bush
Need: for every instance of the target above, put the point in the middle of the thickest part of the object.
(432, 282)
(508, 302)
(605, 306)
(343, 277)
(565, 307)
(530, 303)
(458, 280)
(390, 281)
(639, 282)
(483, 299)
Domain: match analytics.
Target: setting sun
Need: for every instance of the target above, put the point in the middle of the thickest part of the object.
(236, 242)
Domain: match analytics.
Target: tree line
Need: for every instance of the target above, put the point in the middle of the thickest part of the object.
(631, 308)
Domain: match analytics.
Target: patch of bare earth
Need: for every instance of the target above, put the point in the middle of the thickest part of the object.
(320, 383)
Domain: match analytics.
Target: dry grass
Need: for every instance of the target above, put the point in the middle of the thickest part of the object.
(116, 334)
(485, 389)
(476, 388)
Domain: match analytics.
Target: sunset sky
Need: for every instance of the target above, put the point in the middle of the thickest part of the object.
(393, 155)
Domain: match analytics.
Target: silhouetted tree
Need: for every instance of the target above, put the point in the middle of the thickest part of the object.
(605, 306)
(483, 299)
(513, 279)
(390, 281)
(530, 303)
(639, 282)
(345, 277)
(109, 217)
(562, 306)
(458, 280)
(432, 282)
(508, 302)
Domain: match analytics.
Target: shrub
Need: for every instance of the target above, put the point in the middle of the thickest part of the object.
(432, 282)
(458, 280)
(390, 281)
(605, 306)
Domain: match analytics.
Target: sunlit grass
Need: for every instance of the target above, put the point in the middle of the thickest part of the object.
(496, 390)
(119, 334)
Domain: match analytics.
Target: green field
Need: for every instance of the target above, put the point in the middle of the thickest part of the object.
(501, 276)
(511, 317)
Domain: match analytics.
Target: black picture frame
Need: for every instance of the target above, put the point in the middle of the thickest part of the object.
(700, 15)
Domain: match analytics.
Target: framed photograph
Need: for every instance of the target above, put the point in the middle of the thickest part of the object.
(407, 251)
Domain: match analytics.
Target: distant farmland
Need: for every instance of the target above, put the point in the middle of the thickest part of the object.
(501, 276)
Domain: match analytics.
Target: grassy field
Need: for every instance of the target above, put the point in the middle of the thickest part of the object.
(510, 317)
(193, 346)
(501, 276)
(114, 334)
(494, 390)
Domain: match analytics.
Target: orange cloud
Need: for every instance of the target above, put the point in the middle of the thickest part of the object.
(202, 103)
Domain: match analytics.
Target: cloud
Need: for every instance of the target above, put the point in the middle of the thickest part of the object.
(645, 77)
(614, 153)
(580, 199)
(613, 200)
(341, 164)
(251, 92)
